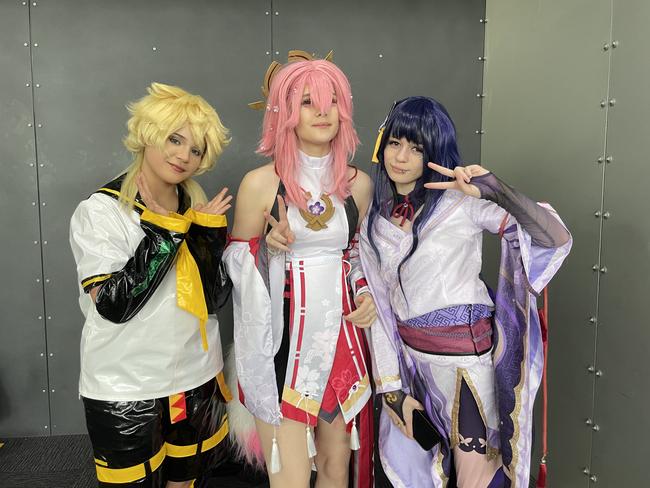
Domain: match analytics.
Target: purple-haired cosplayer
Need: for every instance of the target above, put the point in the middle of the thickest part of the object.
(441, 343)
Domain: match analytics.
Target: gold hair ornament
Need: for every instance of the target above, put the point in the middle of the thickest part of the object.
(293, 56)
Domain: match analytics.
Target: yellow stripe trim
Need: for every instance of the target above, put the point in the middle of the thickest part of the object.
(101, 462)
(95, 279)
(301, 402)
(225, 391)
(206, 219)
(364, 383)
(117, 193)
(130, 474)
(173, 222)
(190, 450)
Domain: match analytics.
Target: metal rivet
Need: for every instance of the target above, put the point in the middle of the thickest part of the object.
(53, 390)
(277, 52)
(41, 165)
(31, 165)
(49, 317)
(27, 85)
(36, 44)
(381, 55)
(51, 354)
(606, 47)
(40, 317)
(614, 44)
(597, 213)
(483, 21)
(42, 356)
(39, 126)
(38, 280)
(609, 159)
(154, 48)
(277, 13)
(589, 422)
(606, 215)
(599, 373)
(596, 428)
(603, 269)
(600, 160)
(25, 44)
(480, 95)
(592, 320)
(43, 203)
(268, 52)
(33, 204)
(34, 4)
(595, 267)
(43, 390)
(45, 426)
(45, 243)
(24, 3)
(266, 13)
(591, 369)
(38, 85)
(482, 58)
(593, 478)
(612, 102)
(47, 280)
(480, 131)
(29, 125)
(603, 103)
(585, 470)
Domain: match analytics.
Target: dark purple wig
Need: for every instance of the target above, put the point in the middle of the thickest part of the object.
(422, 121)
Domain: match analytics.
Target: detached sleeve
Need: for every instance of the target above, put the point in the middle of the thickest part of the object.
(100, 244)
(385, 353)
(206, 240)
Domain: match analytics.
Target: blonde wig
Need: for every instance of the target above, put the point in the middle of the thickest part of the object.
(160, 113)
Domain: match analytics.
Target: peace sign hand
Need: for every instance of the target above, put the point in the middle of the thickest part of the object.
(146, 196)
(217, 206)
(462, 175)
(280, 235)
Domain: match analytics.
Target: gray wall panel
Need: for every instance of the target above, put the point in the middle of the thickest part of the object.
(622, 394)
(88, 69)
(24, 408)
(423, 48)
(545, 76)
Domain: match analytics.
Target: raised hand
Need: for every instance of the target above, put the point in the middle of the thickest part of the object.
(217, 206)
(281, 235)
(365, 314)
(462, 176)
(147, 197)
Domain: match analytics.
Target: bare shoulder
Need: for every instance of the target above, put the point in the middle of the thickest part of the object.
(360, 180)
(361, 187)
(260, 179)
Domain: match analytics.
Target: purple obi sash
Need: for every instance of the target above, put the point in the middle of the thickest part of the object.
(459, 330)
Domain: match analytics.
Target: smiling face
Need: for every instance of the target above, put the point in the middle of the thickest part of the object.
(316, 129)
(404, 163)
(177, 161)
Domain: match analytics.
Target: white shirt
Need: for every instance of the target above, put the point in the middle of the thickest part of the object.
(159, 351)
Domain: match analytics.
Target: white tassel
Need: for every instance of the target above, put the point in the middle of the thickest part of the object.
(276, 465)
(311, 446)
(354, 436)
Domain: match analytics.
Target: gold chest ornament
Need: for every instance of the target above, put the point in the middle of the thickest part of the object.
(317, 215)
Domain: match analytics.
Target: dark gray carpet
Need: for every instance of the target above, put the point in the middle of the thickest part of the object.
(67, 462)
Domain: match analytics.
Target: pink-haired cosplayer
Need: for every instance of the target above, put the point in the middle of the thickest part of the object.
(300, 298)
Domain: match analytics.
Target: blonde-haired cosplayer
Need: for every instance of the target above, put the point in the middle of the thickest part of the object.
(148, 251)
(157, 115)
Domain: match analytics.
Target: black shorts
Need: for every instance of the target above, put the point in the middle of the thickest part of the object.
(136, 444)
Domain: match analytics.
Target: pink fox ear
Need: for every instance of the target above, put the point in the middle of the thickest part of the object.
(293, 56)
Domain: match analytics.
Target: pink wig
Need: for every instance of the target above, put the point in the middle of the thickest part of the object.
(279, 140)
